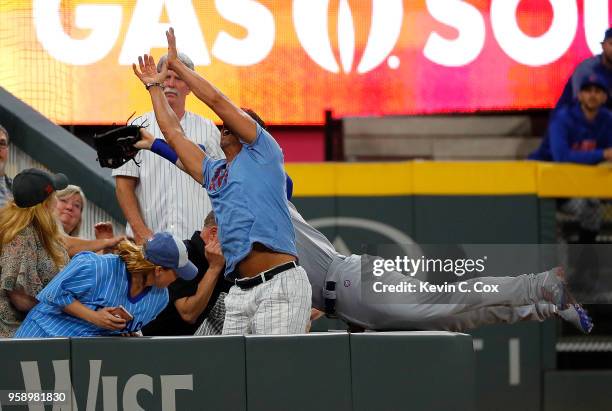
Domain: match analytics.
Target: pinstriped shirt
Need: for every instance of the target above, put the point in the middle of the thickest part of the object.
(96, 281)
(169, 199)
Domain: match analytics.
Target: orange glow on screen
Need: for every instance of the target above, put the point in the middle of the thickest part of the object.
(292, 60)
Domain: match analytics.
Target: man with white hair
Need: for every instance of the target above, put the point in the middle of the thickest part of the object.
(156, 196)
(5, 181)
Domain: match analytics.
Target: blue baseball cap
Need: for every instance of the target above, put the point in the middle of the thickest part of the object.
(168, 251)
(608, 34)
(594, 79)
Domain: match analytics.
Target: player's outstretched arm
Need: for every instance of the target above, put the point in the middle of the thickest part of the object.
(163, 149)
(189, 153)
(235, 119)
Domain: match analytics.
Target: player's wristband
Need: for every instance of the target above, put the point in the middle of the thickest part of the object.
(149, 85)
(163, 149)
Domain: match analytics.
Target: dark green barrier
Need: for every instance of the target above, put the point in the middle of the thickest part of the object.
(305, 372)
(509, 364)
(33, 366)
(320, 371)
(476, 219)
(193, 373)
(362, 223)
(412, 370)
(578, 390)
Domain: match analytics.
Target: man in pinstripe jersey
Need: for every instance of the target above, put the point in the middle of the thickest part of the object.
(155, 196)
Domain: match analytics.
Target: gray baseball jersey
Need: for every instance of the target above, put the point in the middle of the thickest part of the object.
(520, 298)
(315, 254)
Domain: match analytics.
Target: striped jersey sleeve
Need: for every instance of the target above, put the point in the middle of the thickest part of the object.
(75, 281)
(169, 199)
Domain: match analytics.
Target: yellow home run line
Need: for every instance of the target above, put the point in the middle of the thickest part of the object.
(450, 178)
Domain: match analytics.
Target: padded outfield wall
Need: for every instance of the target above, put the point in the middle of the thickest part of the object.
(360, 205)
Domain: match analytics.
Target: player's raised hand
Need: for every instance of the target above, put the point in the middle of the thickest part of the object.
(147, 70)
(104, 319)
(172, 53)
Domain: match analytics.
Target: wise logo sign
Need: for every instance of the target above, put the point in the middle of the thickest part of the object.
(291, 60)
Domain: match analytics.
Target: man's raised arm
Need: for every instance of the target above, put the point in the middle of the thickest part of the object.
(235, 119)
(190, 154)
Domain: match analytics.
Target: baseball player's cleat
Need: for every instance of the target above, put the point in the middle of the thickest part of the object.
(554, 289)
(578, 316)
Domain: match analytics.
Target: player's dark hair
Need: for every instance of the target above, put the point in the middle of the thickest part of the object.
(255, 117)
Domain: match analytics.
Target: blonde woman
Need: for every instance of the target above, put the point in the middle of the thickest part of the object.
(69, 209)
(31, 248)
(71, 202)
(97, 295)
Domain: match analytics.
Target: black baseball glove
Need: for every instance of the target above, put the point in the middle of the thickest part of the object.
(116, 147)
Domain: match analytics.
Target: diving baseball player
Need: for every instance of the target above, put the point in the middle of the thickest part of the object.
(336, 286)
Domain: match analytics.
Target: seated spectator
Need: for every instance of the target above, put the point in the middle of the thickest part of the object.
(191, 302)
(600, 64)
(97, 295)
(31, 248)
(71, 203)
(5, 181)
(581, 133)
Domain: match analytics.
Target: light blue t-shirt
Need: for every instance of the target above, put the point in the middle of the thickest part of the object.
(96, 281)
(249, 198)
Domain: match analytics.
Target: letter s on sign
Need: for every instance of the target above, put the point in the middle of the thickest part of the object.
(258, 22)
(468, 21)
(104, 21)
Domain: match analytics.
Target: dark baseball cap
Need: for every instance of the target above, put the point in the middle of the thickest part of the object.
(608, 34)
(32, 186)
(594, 79)
(165, 250)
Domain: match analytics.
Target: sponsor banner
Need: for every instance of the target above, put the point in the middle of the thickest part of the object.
(291, 60)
